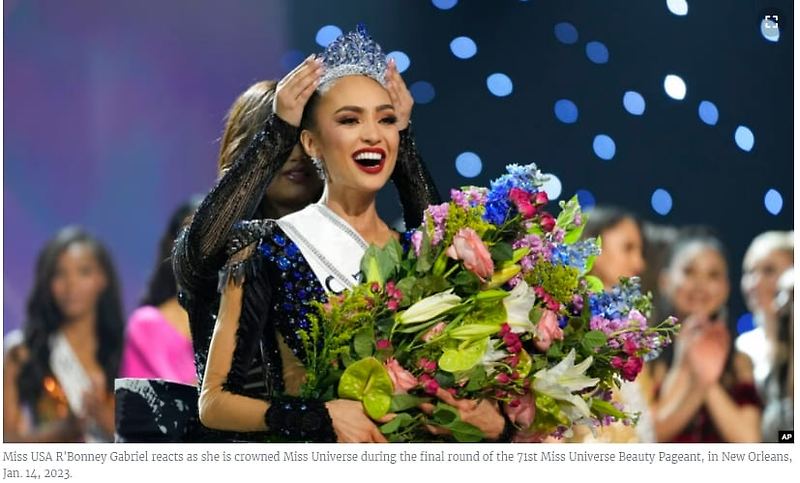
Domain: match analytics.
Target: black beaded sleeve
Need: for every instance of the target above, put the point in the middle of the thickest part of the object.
(199, 251)
(414, 183)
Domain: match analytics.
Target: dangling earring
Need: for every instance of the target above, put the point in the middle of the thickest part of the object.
(320, 167)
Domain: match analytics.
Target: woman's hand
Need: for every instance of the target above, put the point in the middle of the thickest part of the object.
(294, 90)
(483, 414)
(398, 93)
(708, 353)
(351, 424)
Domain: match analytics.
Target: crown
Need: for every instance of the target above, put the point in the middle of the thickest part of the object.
(354, 53)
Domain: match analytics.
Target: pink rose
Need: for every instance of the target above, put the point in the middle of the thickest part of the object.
(522, 200)
(521, 411)
(547, 222)
(468, 247)
(401, 378)
(434, 331)
(540, 198)
(632, 368)
(547, 330)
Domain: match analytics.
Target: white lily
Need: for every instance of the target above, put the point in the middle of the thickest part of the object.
(429, 307)
(492, 356)
(518, 306)
(562, 380)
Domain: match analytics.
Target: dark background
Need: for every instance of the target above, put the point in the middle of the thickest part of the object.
(113, 109)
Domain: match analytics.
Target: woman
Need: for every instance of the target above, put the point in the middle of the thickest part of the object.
(621, 256)
(158, 343)
(276, 267)
(57, 381)
(270, 156)
(706, 396)
(768, 256)
(779, 385)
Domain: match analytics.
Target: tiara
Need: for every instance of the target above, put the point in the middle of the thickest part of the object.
(354, 53)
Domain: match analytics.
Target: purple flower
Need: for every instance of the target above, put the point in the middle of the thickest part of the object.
(416, 241)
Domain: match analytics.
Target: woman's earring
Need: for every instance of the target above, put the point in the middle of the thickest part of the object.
(320, 167)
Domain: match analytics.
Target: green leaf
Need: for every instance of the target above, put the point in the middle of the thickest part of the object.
(378, 264)
(501, 252)
(463, 359)
(425, 257)
(402, 402)
(476, 378)
(595, 284)
(569, 209)
(367, 381)
(445, 415)
(363, 342)
(606, 408)
(574, 234)
(467, 281)
(554, 351)
(593, 339)
(464, 432)
(400, 421)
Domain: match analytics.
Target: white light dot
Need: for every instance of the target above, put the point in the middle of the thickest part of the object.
(552, 187)
(770, 30)
(675, 87)
(402, 60)
(773, 201)
(678, 7)
(468, 164)
(328, 34)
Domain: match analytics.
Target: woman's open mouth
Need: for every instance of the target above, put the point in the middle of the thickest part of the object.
(370, 160)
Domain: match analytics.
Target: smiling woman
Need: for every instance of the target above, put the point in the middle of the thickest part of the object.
(357, 122)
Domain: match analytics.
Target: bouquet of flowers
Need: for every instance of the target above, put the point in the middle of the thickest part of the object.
(490, 299)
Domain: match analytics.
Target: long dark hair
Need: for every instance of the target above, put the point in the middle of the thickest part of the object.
(162, 286)
(45, 318)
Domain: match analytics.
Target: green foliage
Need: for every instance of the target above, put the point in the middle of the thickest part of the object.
(558, 280)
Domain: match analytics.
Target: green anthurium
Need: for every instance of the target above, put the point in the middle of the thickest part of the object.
(367, 381)
(463, 358)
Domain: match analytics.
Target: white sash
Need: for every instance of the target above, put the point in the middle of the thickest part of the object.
(332, 247)
(69, 372)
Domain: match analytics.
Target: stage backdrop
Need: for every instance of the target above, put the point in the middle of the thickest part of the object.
(680, 111)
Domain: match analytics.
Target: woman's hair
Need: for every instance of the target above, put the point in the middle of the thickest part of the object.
(767, 242)
(692, 236)
(307, 121)
(162, 285)
(245, 119)
(45, 318)
(602, 218)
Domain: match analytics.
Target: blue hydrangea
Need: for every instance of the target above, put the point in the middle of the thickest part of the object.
(577, 254)
(617, 303)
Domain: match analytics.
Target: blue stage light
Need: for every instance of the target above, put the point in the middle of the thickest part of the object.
(745, 323)
(770, 30)
(566, 111)
(708, 113)
(586, 199)
(604, 147)
(463, 47)
(773, 201)
(468, 164)
(328, 34)
(675, 87)
(422, 92)
(566, 33)
(633, 103)
(499, 84)
(678, 7)
(402, 60)
(597, 52)
(661, 201)
(444, 4)
(744, 138)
